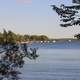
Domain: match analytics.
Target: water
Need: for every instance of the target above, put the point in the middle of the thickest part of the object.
(53, 63)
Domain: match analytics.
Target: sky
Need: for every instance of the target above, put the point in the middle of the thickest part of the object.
(34, 17)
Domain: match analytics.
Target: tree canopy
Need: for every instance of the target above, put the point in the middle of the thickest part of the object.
(69, 15)
(12, 55)
(77, 36)
(11, 37)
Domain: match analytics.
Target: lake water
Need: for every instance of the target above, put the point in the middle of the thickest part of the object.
(56, 62)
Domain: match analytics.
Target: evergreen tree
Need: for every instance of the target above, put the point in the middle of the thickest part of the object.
(11, 37)
(77, 36)
(69, 14)
(5, 34)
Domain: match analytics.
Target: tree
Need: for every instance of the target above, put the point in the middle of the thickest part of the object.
(11, 37)
(34, 37)
(12, 56)
(69, 14)
(38, 38)
(77, 36)
(1, 38)
(43, 37)
(19, 37)
(5, 34)
(26, 37)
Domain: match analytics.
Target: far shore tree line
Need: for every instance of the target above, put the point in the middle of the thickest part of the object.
(9, 36)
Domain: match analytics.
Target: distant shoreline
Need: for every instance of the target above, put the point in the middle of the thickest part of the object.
(52, 41)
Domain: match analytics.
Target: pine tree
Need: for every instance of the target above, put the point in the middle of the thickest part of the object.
(69, 15)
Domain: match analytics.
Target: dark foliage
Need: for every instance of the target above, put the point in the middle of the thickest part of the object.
(77, 36)
(11, 37)
(69, 14)
(11, 59)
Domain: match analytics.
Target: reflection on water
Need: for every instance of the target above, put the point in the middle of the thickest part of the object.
(53, 64)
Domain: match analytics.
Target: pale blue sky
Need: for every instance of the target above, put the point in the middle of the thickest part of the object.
(33, 18)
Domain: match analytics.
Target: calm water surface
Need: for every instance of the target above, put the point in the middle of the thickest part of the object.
(53, 64)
